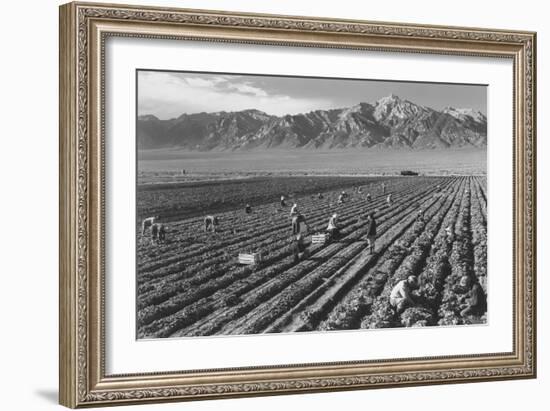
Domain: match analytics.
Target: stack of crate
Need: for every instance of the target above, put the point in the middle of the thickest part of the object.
(320, 238)
(250, 258)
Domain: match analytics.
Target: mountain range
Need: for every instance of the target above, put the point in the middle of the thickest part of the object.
(389, 123)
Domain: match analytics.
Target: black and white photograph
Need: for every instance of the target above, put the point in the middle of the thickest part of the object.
(281, 204)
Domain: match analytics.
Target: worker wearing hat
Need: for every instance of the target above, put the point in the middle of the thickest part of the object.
(400, 296)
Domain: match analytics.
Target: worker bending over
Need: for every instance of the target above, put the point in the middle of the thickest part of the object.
(211, 223)
(400, 296)
(476, 301)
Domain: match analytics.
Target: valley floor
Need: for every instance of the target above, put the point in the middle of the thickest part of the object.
(154, 164)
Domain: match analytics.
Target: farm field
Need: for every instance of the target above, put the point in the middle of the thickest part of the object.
(192, 285)
(186, 199)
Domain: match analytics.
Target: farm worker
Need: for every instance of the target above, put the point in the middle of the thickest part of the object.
(383, 188)
(449, 234)
(162, 233)
(341, 199)
(247, 209)
(210, 223)
(283, 203)
(360, 189)
(320, 196)
(332, 227)
(389, 199)
(154, 232)
(297, 221)
(299, 249)
(146, 223)
(420, 216)
(400, 296)
(476, 303)
(294, 210)
(344, 195)
(368, 197)
(371, 232)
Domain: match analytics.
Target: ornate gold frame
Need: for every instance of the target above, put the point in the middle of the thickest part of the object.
(83, 30)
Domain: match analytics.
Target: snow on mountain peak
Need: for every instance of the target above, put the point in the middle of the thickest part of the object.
(392, 107)
(461, 113)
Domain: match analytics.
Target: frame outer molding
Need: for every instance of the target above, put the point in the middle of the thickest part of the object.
(82, 30)
(68, 331)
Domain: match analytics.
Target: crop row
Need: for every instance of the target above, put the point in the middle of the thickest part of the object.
(267, 310)
(184, 200)
(382, 314)
(270, 243)
(237, 289)
(267, 225)
(358, 301)
(462, 264)
(188, 239)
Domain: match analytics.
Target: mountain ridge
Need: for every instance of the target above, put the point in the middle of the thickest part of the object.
(389, 123)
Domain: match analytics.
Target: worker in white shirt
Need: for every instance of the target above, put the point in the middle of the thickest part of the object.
(294, 210)
(332, 227)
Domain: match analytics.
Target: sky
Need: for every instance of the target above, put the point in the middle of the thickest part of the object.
(168, 94)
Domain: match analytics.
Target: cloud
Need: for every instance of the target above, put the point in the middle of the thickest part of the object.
(168, 95)
(247, 89)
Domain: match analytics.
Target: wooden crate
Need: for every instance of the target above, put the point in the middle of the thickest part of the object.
(249, 258)
(320, 238)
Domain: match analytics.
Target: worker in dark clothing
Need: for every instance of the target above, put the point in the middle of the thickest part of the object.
(297, 221)
(476, 301)
(299, 249)
(210, 223)
(154, 232)
(283, 201)
(162, 233)
(371, 232)
(248, 209)
(319, 196)
(368, 197)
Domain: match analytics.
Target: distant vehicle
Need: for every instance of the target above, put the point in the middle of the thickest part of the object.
(408, 173)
